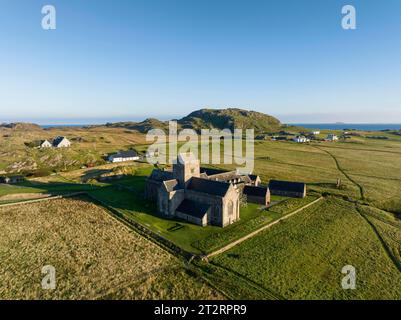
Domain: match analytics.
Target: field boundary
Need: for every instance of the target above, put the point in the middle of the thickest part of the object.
(69, 195)
(266, 292)
(361, 191)
(383, 242)
(254, 233)
(144, 231)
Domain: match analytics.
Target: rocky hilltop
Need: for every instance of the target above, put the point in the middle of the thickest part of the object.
(231, 118)
(211, 118)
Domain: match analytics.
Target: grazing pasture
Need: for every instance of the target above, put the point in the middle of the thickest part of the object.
(94, 256)
(302, 257)
(388, 229)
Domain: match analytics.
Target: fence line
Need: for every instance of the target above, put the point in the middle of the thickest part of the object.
(43, 199)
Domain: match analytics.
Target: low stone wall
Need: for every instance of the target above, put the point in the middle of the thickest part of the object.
(42, 199)
(146, 232)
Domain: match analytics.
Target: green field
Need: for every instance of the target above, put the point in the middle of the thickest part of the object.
(358, 223)
(94, 255)
(131, 204)
(302, 258)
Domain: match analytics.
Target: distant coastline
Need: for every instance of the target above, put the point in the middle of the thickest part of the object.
(321, 126)
(50, 126)
(356, 126)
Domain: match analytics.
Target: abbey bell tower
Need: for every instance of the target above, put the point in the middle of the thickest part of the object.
(186, 167)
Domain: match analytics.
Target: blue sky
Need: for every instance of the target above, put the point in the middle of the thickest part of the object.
(127, 60)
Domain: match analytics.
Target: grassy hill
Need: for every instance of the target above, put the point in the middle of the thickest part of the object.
(142, 127)
(230, 119)
(208, 119)
(20, 126)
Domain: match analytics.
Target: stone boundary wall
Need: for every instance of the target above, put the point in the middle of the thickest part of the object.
(43, 199)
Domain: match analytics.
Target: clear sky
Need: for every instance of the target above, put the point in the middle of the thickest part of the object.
(127, 60)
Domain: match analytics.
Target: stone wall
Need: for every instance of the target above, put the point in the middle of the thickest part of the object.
(215, 216)
(231, 207)
(176, 197)
(151, 190)
(290, 194)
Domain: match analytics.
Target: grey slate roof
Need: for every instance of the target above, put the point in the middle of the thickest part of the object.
(193, 208)
(225, 176)
(211, 187)
(125, 154)
(160, 175)
(211, 172)
(57, 140)
(286, 186)
(255, 191)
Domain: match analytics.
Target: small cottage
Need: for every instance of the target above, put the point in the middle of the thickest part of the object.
(122, 156)
(61, 142)
(44, 144)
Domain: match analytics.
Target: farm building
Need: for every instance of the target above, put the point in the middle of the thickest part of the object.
(122, 156)
(260, 195)
(61, 142)
(198, 195)
(287, 188)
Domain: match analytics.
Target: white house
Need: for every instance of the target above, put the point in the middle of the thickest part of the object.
(61, 142)
(123, 156)
(42, 144)
(301, 139)
(331, 137)
(315, 133)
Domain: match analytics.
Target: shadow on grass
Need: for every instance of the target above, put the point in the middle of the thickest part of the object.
(53, 188)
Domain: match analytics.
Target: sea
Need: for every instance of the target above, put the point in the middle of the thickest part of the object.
(350, 126)
(321, 126)
(50, 126)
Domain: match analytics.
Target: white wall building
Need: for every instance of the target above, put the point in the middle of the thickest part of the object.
(301, 139)
(45, 144)
(331, 137)
(123, 156)
(61, 142)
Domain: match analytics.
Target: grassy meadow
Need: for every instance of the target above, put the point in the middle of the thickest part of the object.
(95, 256)
(131, 205)
(358, 223)
(89, 147)
(302, 257)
